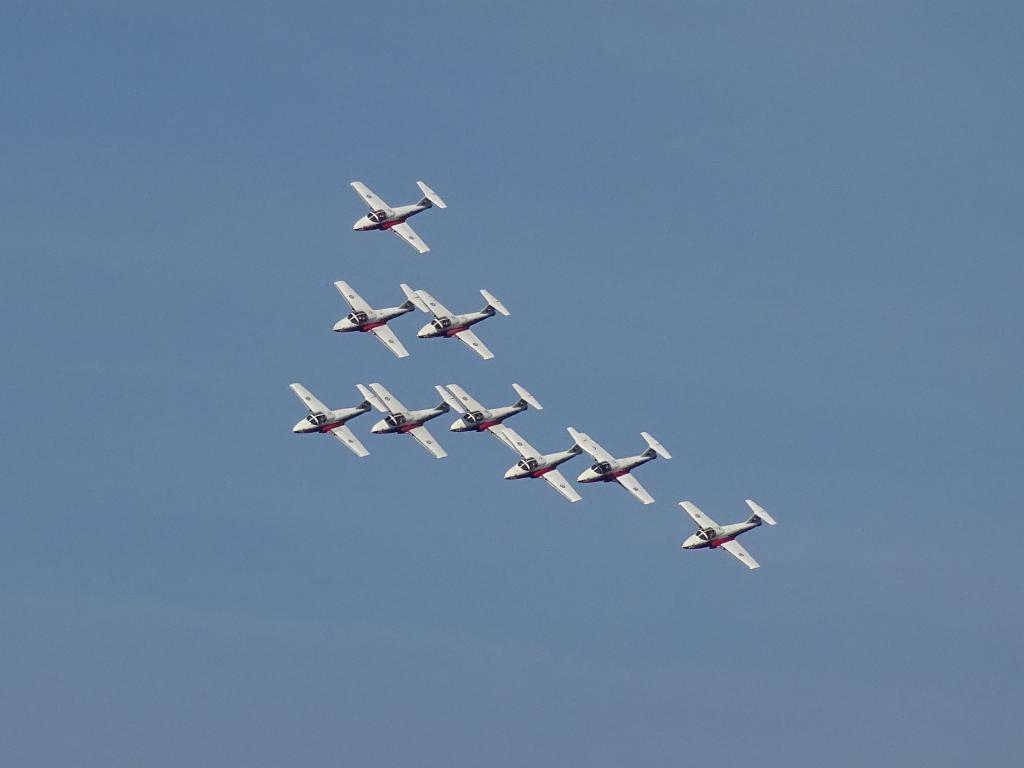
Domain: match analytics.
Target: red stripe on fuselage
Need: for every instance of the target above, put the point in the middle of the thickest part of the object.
(452, 331)
(390, 224)
(328, 427)
(614, 475)
(719, 542)
(370, 326)
(541, 472)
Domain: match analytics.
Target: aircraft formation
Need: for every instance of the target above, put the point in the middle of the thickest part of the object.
(473, 416)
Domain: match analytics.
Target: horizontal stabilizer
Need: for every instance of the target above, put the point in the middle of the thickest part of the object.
(493, 302)
(758, 511)
(657, 447)
(431, 195)
(414, 297)
(527, 397)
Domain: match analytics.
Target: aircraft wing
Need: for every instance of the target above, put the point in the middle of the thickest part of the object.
(369, 197)
(698, 517)
(389, 340)
(465, 398)
(433, 305)
(472, 341)
(344, 434)
(392, 403)
(560, 484)
(589, 445)
(354, 299)
(424, 438)
(498, 430)
(408, 234)
(308, 400)
(513, 440)
(631, 484)
(736, 549)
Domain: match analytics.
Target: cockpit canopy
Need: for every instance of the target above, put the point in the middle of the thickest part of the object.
(440, 323)
(706, 534)
(377, 216)
(473, 417)
(527, 464)
(317, 419)
(358, 317)
(601, 467)
(395, 419)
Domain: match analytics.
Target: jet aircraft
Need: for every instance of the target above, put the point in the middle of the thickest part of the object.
(715, 536)
(446, 324)
(401, 420)
(475, 417)
(322, 419)
(365, 318)
(536, 464)
(383, 216)
(607, 468)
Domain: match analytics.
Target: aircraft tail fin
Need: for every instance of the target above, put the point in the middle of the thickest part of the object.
(372, 399)
(449, 398)
(654, 447)
(527, 398)
(759, 513)
(413, 298)
(430, 196)
(493, 303)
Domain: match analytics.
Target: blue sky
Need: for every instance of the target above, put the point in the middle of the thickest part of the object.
(785, 240)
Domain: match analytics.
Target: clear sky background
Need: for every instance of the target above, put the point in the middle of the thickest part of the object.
(785, 238)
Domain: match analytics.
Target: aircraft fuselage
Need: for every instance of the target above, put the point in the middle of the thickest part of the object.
(478, 421)
(608, 471)
(403, 422)
(540, 466)
(325, 422)
(364, 321)
(715, 536)
(381, 219)
(448, 326)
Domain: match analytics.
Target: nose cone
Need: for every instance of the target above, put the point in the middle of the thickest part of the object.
(458, 426)
(380, 427)
(691, 542)
(342, 325)
(360, 224)
(514, 473)
(301, 427)
(425, 331)
(586, 476)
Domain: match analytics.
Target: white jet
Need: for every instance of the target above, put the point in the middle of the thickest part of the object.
(365, 318)
(476, 418)
(715, 536)
(400, 420)
(607, 468)
(383, 216)
(322, 419)
(446, 324)
(536, 464)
